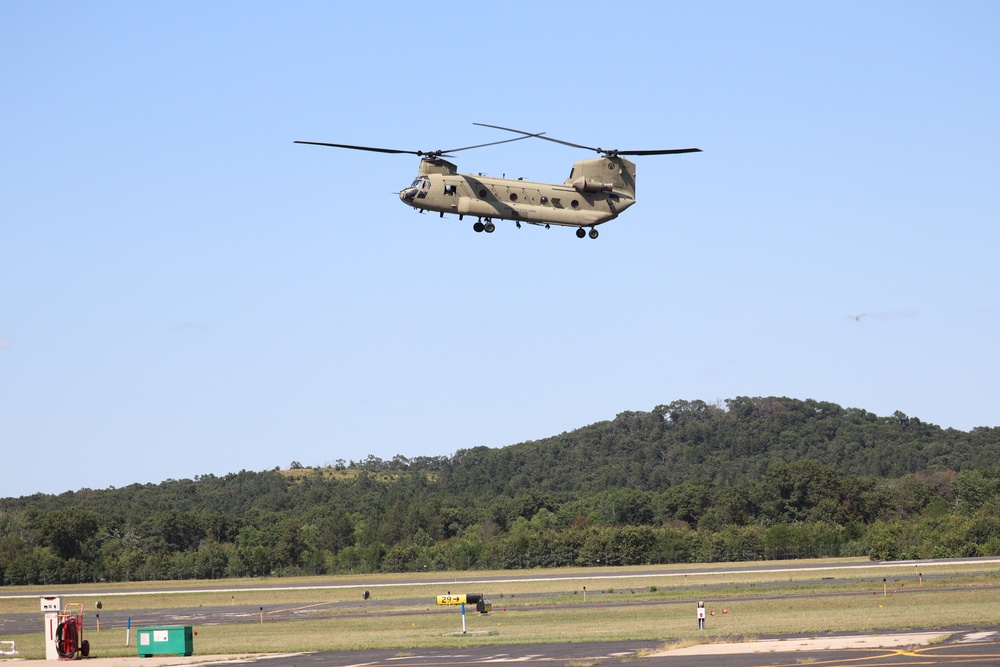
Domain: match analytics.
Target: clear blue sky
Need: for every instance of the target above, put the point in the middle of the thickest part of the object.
(185, 291)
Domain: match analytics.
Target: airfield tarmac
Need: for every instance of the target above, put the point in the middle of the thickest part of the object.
(938, 647)
(959, 645)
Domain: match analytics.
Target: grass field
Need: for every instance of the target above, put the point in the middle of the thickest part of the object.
(618, 604)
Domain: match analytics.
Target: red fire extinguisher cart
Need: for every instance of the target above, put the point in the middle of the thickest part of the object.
(70, 644)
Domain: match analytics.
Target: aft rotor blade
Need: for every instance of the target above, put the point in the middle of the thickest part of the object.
(492, 143)
(361, 148)
(539, 135)
(666, 151)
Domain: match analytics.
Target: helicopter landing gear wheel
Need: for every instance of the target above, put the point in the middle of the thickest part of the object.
(580, 233)
(490, 227)
(593, 233)
(478, 227)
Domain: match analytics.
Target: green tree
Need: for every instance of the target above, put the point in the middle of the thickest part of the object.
(67, 530)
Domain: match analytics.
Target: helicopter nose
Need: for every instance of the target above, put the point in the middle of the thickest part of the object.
(408, 195)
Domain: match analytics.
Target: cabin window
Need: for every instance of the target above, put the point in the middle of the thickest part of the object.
(513, 196)
(545, 200)
(450, 189)
(575, 204)
(482, 194)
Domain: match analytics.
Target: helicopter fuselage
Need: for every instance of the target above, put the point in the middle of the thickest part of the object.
(597, 191)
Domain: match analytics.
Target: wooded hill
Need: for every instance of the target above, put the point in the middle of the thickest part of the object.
(748, 479)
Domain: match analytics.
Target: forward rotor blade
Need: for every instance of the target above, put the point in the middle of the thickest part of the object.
(361, 148)
(439, 153)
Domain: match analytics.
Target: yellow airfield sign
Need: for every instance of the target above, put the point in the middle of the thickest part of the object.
(469, 598)
(451, 599)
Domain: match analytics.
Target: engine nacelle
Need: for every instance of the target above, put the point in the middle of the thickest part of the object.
(582, 185)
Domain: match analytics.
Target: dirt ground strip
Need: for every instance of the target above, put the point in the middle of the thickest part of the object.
(808, 644)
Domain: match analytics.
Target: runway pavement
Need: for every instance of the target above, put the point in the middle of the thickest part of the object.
(930, 647)
(936, 647)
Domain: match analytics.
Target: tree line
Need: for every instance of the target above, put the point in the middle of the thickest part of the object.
(753, 478)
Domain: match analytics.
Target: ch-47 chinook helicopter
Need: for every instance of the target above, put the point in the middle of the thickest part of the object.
(597, 190)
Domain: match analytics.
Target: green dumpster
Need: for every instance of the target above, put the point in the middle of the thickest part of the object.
(165, 640)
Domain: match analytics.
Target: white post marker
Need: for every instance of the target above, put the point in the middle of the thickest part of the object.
(472, 598)
(51, 622)
(51, 606)
(701, 615)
